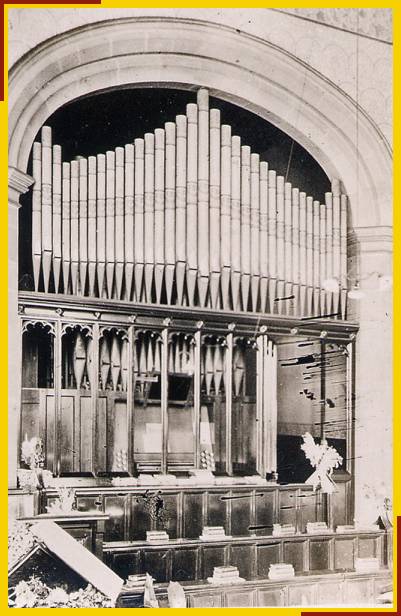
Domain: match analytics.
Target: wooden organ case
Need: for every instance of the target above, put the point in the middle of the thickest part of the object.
(188, 313)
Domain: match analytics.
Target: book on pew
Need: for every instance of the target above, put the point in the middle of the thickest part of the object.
(283, 530)
(281, 571)
(367, 565)
(225, 575)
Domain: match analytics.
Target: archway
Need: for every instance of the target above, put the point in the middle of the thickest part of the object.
(233, 66)
(248, 72)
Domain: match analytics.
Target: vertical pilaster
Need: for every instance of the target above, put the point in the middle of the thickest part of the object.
(197, 393)
(164, 394)
(95, 396)
(260, 424)
(229, 395)
(369, 265)
(18, 184)
(270, 405)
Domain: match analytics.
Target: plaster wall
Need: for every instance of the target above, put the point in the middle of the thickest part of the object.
(360, 66)
(336, 100)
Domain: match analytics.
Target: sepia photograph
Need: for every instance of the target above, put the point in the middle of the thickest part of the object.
(200, 307)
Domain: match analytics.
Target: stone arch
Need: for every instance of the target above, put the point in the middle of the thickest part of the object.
(234, 66)
(260, 76)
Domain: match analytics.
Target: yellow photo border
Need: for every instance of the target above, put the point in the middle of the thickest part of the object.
(396, 8)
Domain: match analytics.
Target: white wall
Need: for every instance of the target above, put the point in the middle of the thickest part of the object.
(361, 66)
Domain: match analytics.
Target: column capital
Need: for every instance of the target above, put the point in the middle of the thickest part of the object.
(371, 240)
(370, 252)
(18, 184)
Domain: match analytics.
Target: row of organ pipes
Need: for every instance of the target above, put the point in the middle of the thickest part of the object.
(114, 363)
(187, 216)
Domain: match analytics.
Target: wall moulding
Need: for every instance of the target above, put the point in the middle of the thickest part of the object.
(237, 67)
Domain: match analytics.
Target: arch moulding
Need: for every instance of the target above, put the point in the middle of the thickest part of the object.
(242, 69)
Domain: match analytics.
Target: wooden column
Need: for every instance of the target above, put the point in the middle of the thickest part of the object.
(130, 399)
(260, 424)
(270, 405)
(197, 390)
(350, 407)
(57, 395)
(229, 394)
(322, 391)
(94, 394)
(164, 394)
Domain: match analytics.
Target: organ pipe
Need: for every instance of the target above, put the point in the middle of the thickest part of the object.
(295, 242)
(101, 222)
(169, 230)
(203, 195)
(187, 215)
(46, 201)
(56, 215)
(263, 231)
(119, 216)
(225, 215)
(139, 255)
(129, 179)
(180, 206)
(214, 207)
(159, 223)
(254, 230)
(92, 224)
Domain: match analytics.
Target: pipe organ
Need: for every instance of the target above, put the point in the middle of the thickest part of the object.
(189, 226)
(187, 326)
(186, 216)
(177, 263)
